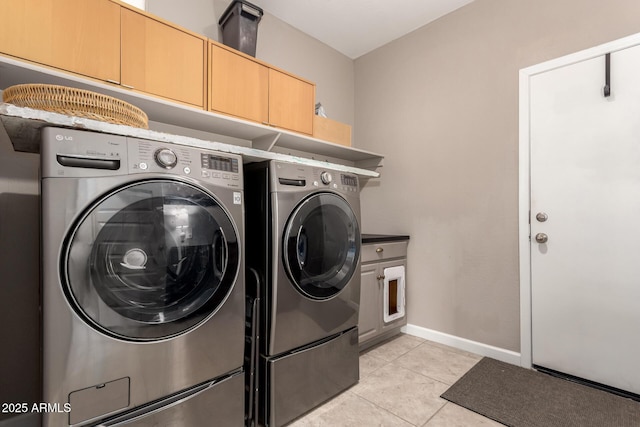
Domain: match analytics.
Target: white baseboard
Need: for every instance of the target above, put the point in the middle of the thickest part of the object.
(497, 353)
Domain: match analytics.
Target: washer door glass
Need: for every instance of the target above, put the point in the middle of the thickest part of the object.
(151, 260)
(321, 245)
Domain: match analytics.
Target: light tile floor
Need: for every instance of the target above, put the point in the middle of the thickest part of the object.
(401, 381)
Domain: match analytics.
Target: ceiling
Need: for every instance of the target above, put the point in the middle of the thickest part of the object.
(355, 27)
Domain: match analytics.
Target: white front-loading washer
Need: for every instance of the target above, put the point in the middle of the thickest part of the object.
(143, 303)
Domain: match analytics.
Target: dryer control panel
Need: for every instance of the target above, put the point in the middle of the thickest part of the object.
(290, 177)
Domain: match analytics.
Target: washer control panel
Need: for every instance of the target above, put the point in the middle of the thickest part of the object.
(204, 165)
(78, 153)
(218, 163)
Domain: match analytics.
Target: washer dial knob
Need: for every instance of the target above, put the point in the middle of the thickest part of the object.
(326, 177)
(166, 158)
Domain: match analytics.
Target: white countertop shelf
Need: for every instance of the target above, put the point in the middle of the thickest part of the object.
(23, 125)
(263, 139)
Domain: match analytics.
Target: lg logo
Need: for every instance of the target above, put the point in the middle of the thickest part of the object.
(64, 138)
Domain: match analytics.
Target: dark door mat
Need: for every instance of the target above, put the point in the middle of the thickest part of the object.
(520, 397)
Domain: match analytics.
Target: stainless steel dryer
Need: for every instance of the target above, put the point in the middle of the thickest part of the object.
(303, 242)
(143, 282)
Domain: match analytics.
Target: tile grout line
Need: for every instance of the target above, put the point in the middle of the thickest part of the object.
(398, 415)
(434, 414)
(387, 411)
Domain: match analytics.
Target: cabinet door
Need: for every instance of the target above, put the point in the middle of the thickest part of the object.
(238, 85)
(291, 102)
(162, 60)
(370, 316)
(74, 35)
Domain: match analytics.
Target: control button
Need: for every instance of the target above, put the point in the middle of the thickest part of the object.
(143, 166)
(187, 170)
(315, 183)
(335, 185)
(166, 158)
(326, 177)
(226, 176)
(235, 177)
(215, 175)
(206, 174)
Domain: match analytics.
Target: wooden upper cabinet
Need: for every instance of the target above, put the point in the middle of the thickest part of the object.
(111, 41)
(162, 60)
(80, 36)
(248, 88)
(291, 102)
(237, 85)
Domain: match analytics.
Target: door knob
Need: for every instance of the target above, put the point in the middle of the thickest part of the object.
(380, 277)
(541, 238)
(542, 217)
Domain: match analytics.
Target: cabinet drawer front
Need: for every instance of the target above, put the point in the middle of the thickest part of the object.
(380, 251)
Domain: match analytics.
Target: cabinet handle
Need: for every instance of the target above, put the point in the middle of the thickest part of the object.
(379, 250)
(381, 277)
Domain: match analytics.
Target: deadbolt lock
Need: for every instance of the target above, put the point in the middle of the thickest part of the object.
(542, 217)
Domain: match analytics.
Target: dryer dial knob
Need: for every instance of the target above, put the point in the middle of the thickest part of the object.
(326, 177)
(166, 158)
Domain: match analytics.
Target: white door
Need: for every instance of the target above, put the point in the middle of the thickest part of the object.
(585, 177)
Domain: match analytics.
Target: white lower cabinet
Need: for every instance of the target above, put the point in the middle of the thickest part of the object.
(382, 292)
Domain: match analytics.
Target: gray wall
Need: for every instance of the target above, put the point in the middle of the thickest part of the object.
(280, 45)
(442, 105)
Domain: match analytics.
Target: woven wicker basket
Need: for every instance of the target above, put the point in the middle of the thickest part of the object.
(75, 102)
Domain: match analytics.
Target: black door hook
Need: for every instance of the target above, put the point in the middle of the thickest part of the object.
(607, 75)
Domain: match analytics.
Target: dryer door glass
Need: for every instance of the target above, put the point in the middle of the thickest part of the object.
(321, 245)
(151, 260)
